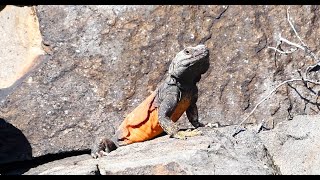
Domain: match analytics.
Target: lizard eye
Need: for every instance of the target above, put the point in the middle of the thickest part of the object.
(187, 51)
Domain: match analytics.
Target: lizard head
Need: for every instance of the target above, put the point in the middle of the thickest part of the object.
(190, 63)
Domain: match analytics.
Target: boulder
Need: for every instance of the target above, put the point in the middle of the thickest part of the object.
(102, 61)
(211, 153)
(295, 145)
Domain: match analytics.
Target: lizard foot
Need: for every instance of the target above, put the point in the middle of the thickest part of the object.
(102, 147)
(98, 154)
(191, 133)
(188, 133)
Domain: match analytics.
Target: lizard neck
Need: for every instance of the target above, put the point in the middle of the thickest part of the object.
(182, 84)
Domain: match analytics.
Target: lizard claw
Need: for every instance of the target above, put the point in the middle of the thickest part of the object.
(99, 154)
(198, 124)
(196, 132)
(94, 155)
(179, 135)
(188, 133)
(201, 124)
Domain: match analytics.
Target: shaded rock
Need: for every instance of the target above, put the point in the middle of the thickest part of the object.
(295, 145)
(212, 153)
(14, 146)
(104, 60)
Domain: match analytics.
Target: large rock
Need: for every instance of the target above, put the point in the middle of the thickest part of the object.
(20, 46)
(20, 52)
(290, 148)
(295, 145)
(104, 60)
(77, 165)
(212, 153)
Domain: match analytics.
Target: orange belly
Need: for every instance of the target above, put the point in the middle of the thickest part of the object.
(146, 130)
(142, 123)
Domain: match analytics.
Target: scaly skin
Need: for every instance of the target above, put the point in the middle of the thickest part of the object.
(160, 111)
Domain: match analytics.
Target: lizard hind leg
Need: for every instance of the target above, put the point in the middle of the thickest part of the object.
(102, 146)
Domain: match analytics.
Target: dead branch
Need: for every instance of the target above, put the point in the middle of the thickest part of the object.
(305, 80)
(283, 52)
(275, 89)
(291, 24)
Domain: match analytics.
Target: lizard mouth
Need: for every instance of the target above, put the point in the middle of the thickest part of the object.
(202, 52)
(202, 55)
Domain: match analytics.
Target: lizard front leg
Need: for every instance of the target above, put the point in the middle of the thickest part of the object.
(166, 108)
(192, 114)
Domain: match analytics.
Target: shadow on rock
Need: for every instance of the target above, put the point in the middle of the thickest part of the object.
(2, 7)
(14, 147)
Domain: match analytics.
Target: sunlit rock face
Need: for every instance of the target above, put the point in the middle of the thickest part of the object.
(102, 61)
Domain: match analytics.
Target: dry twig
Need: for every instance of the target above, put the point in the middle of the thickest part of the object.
(305, 80)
